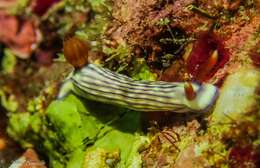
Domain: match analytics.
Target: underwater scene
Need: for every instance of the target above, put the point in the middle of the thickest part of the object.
(129, 84)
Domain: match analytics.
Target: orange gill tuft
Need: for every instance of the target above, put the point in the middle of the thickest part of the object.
(76, 51)
(208, 65)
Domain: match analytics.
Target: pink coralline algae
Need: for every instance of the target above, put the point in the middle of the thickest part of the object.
(19, 35)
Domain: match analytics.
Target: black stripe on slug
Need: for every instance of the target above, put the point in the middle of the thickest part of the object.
(135, 83)
(123, 88)
(134, 106)
(130, 81)
(125, 96)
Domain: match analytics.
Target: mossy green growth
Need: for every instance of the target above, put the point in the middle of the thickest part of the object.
(94, 29)
(118, 59)
(9, 103)
(101, 6)
(9, 61)
(20, 7)
(144, 73)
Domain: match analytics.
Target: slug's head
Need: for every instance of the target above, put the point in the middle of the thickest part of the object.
(200, 97)
(76, 51)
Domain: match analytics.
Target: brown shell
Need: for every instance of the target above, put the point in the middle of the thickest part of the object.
(76, 51)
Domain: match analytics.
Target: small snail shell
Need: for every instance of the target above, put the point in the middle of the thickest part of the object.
(76, 51)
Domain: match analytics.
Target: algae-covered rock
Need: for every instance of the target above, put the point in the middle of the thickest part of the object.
(237, 95)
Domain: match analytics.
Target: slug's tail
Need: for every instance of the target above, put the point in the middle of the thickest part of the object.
(65, 89)
(205, 97)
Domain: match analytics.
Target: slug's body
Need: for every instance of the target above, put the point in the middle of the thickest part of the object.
(99, 84)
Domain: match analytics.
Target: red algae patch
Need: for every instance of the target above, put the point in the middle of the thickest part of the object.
(255, 55)
(41, 6)
(207, 56)
(243, 157)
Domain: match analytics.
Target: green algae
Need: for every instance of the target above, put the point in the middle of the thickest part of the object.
(9, 61)
(9, 103)
(19, 7)
(68, 128)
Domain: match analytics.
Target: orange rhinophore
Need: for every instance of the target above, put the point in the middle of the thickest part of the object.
(189, 91)
(76, 51)
(209, 65)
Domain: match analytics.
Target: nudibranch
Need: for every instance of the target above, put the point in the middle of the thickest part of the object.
(96, 83)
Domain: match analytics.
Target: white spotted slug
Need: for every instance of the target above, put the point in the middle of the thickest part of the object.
(99, 84)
